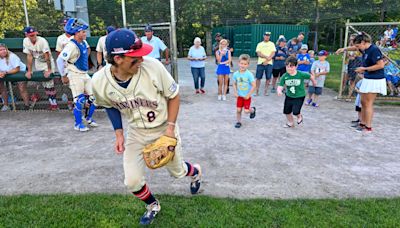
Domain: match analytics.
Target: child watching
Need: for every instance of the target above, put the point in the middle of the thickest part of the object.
(357, 122)
(243, 85)
(319, 69)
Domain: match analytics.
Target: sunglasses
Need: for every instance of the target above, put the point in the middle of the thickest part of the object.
(3, 45)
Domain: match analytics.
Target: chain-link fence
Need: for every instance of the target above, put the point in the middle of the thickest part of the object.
(385, 35)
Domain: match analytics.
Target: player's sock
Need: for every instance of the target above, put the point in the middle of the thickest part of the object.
(80, 100)
(145, 195)
(192, 171)
(91, 109)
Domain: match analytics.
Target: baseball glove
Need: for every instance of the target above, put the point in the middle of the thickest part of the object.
(160, 152)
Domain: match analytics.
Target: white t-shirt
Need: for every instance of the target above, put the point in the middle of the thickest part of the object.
(38, 51)
(145, 101)
(13, 62)
(101, 46)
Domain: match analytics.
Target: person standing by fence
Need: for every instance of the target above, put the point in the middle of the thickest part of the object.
(157, 44)
(37, 50)
(10, 63)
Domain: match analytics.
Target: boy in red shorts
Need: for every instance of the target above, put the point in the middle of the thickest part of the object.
(244, 85)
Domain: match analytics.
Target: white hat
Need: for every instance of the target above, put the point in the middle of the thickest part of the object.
(304, 46)
(197, 40)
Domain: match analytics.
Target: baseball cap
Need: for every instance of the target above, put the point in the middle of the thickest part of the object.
(282, 40)
(323, 53)
(125, 41)
(217, 34)
(109, 29)
(304, 46)
(30, 31)
(148, 28)
(267, 33)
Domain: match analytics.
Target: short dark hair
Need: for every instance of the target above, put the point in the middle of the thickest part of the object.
(362, 36)
(291, 60)
(110, 58)
(301, 33)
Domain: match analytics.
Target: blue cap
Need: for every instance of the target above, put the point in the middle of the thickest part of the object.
(29, 30)
(110, 29)
(125, 41)
(148, 28)
(75, 25)
(323, 53)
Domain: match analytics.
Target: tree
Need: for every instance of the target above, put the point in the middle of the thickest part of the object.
(12, 15)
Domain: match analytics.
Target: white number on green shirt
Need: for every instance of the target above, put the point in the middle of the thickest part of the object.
(292, 89)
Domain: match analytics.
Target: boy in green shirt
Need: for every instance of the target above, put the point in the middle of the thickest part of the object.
(295, 92)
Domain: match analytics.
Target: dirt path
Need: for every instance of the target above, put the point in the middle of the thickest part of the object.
(41, 153)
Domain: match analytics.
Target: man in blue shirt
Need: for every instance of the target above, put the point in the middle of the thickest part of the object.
(157, 44)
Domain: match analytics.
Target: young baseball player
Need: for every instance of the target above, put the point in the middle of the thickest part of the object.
(244, 85)
(140, 88)
(295, 91)
(319, 69)
(37, 50)
(75, 56)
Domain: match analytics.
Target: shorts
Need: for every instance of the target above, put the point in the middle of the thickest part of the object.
(278, 72)
(315, 90)
(293, 105)
(373, 86)
(241, 102)
(261, 69)
(358, 109)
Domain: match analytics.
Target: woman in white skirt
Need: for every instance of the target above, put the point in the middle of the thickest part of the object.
(374, 77)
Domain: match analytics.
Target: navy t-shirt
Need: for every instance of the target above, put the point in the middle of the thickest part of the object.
(370, 57)
(280, 52)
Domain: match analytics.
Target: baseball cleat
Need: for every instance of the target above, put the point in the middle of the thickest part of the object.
(81, 127)
(150, 214)
(196, 181)
(253, 114)
(92, 123)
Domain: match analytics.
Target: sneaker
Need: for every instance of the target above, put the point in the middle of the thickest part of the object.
(308, 102)
(197, 91)
(223, 97)
(238, 125)
(92, 123)
(81, 127)
(54, 107)
(202, 91)
(273, 90)
(315, 105)
(220, 97)
(150, 214)
(355, 124)
(355, 121)
(266, 93)
(253, 114)
(360, 128)
(5, 108)
(196, 181)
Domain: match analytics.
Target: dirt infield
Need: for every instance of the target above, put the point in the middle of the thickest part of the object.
(41, 153)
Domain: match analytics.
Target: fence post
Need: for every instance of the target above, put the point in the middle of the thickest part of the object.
(346, 36)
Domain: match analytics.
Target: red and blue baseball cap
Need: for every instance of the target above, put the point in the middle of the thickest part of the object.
(124, 41)
(323, 53)
(30, 31)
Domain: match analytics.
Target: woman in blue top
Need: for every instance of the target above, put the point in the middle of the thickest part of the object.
(197, 55)
(223, 56)
(374, 77)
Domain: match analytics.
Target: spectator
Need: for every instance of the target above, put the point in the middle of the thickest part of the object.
(374, 77)
(294, 45)
(218, 38)
(357, 103)
(391, 72)
(157, 44)
(101, 49)
(37, 50)
(10, 63)
(304, 60)
(278, 67)
(354, 62)
(224, 58)
(197, 56)
(387, 35)
(394, 36)
(265, 52)
(319, 70)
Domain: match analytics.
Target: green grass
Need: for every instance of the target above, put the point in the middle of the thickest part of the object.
(102, 210)
(333, 79)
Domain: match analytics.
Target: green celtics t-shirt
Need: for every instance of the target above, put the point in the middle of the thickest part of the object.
(294, 84)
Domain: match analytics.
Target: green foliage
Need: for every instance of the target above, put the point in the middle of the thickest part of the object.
(102, 210)
(12, 15)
